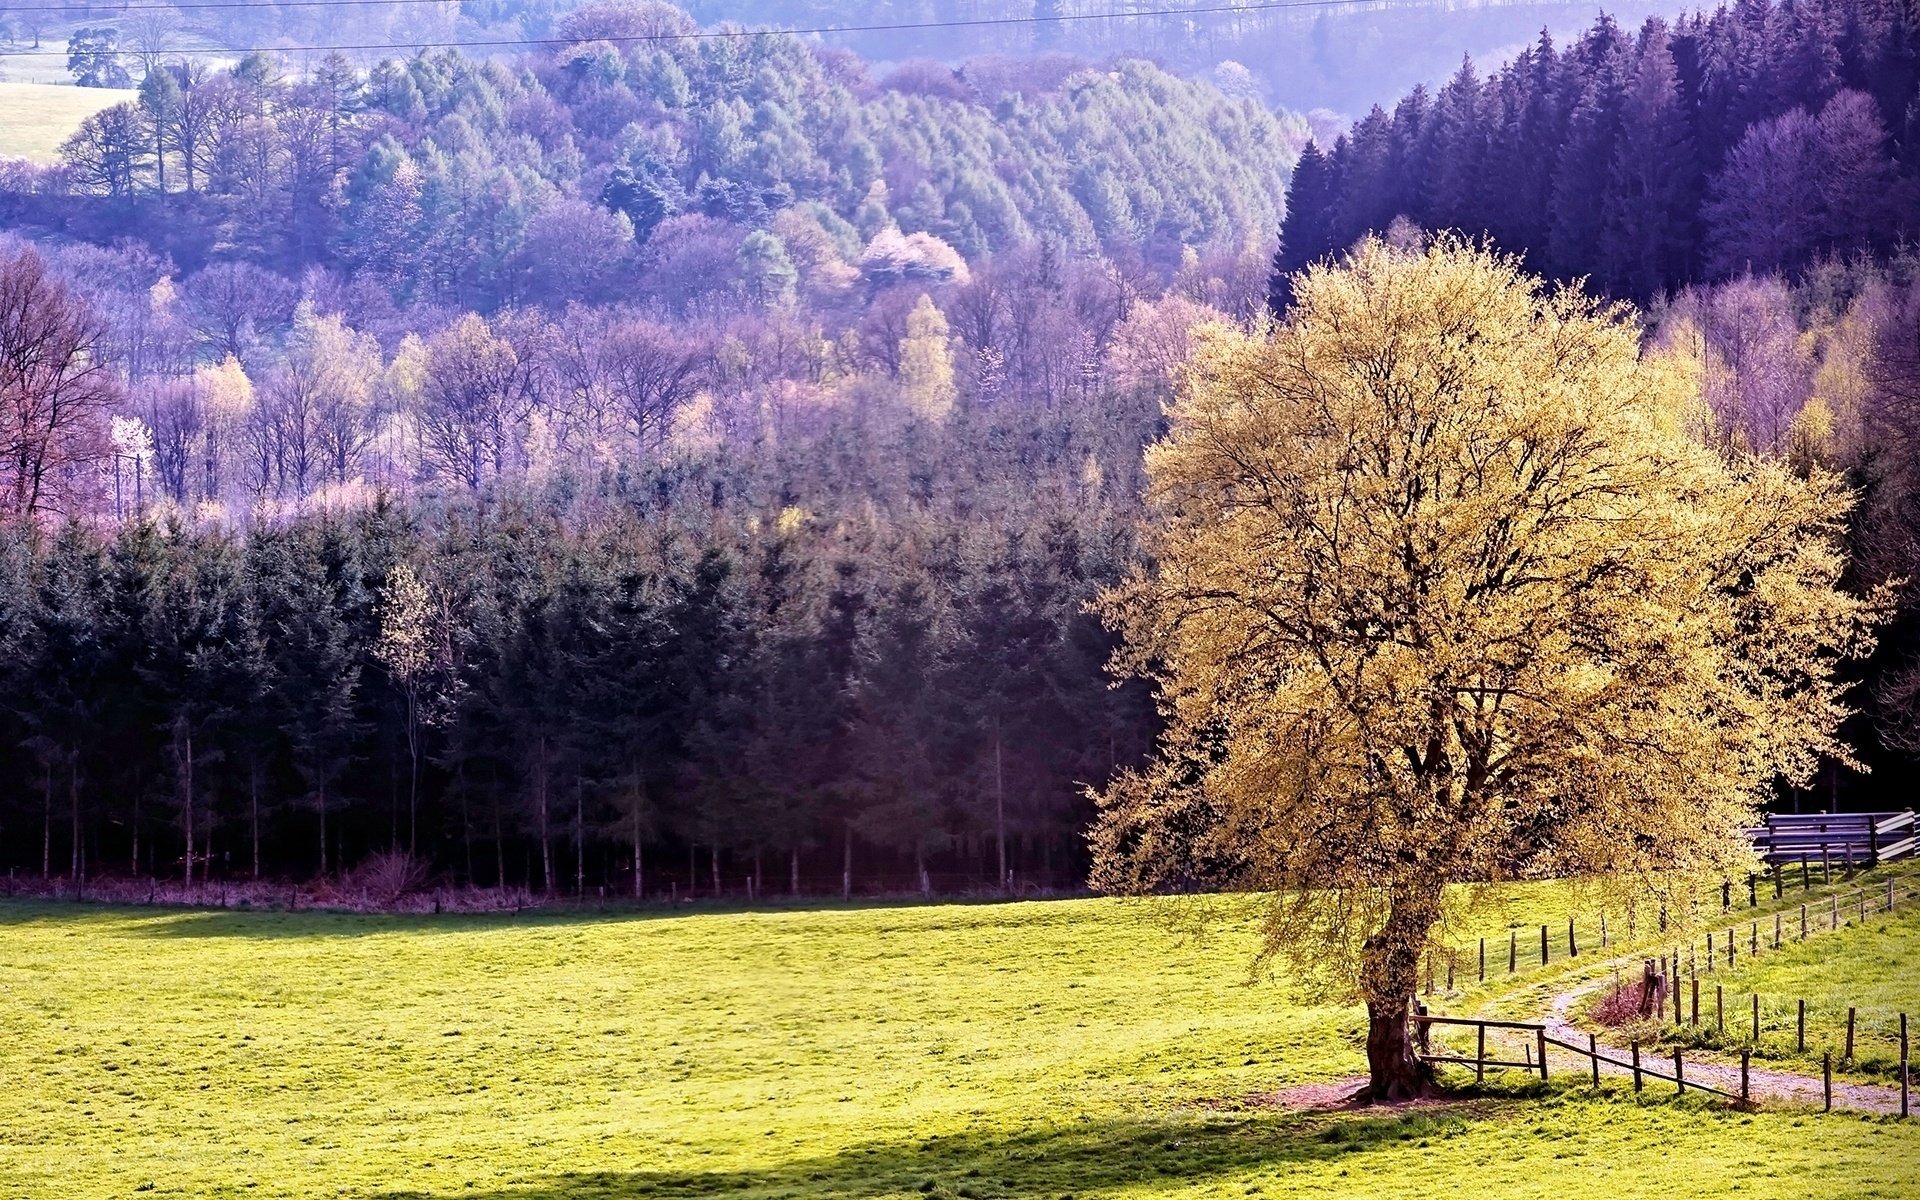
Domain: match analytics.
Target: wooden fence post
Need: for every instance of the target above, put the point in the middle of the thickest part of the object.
(1776, 931)
(1756, 1018)
(1543, 945)
(1726, 894)
(1483, 960)
(1636, 1064)
(1573, 947)
(1679, 1074)
(1711, 954)
(1903, 1066)
(1806, 879)
(1513, 950)
(1731, 943)
(1540, 1036)
(1745, 1093)
(1778, 886)
(1826, 1078)
(1449, 972)
(1803, 922)
(1603, 921)
(1753, 897)
(1889, 895)
(1833, 912)
(1753, 940)
(1848, 1056)
(1593, 1055)
(1480, 1057)
(1696, 1001)
(1720, 1007)
(1800, 1038)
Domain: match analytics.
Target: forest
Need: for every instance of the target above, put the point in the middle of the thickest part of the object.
(629, 462)
(683, 465)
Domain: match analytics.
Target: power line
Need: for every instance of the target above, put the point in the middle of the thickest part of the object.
(697, 35)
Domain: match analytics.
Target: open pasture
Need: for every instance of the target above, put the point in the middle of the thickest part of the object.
(1037, 1049)
(36, 117)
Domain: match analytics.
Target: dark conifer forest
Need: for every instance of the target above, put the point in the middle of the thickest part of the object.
(678, 461)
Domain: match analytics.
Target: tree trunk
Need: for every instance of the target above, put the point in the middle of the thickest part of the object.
(46, 826)
(73, 809)
(920, 869)
(793, 871)
(1389, 976)
(320, 802)
(640, 864)
(714, 862)
(546, 837)
(253, 812)
(499, 843)
(579, 836)
(1394, 1071)
(846, 866)
(186, 795)
(1003, 882)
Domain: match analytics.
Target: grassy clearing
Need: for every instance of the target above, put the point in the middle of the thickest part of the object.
(1069, 1048)
(36, 117)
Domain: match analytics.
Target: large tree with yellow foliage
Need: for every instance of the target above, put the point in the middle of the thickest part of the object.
(1448, 587)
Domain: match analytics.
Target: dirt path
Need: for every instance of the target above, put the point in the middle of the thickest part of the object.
(1766, 1084)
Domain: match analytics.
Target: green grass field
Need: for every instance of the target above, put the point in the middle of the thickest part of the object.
(1076, 1048)
(36, 117)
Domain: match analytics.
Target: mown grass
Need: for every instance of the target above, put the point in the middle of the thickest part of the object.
(36, 117)
(1039, 1049)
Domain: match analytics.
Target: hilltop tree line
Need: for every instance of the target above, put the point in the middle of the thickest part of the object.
(1757, 138)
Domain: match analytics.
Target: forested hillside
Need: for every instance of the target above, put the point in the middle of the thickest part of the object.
(643, 464)
(1757, 137)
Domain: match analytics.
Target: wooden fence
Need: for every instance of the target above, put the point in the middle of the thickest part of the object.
(1641, 1069)
(1703, 953)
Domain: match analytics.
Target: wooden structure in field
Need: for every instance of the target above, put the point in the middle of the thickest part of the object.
(1841, 839)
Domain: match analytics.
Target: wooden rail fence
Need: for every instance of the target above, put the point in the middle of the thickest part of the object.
(1538, 1041)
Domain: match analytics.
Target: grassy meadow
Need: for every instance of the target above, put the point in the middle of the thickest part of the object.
(1072, 1048)
(36, 117)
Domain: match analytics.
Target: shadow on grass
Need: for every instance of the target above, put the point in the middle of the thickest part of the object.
(180, 922)
(1054, 1163)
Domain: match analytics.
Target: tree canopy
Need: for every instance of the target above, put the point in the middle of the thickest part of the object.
(1446, 587)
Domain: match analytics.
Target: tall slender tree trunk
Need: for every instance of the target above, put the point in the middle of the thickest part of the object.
(920, 869)
(499, 842)
(639, 862)
(185, 753)
(320, 803)
(1004, 882)
(714, 862)
(413, 772)
(546, 834)
(846, 864)
(579, 835)
(73, 812)
(46, 825)
(133, 859)
(793, 871)
(253, 811)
